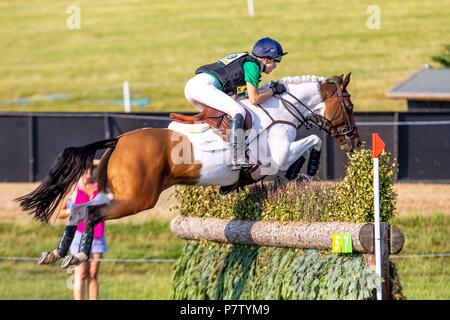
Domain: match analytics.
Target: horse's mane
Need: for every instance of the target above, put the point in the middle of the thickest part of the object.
(302, 79)
(297, 80)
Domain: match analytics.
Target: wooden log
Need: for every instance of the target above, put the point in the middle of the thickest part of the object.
(273, 234)
(396, 240)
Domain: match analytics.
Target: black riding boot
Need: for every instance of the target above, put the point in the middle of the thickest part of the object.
(236, 138)
(313, 162)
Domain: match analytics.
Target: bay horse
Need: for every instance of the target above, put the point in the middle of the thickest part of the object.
(137, 166)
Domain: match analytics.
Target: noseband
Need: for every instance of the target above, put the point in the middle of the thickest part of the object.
(348, 127)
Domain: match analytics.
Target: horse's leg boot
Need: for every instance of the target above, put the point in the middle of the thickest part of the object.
(66, 240)
(224, 190)
(49, 257)
(86, 242)
(295, 168)
(313, 162)
(83, 253)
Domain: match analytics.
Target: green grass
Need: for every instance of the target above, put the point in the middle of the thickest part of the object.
(425, 278)
(156, 45)
(23, 280)
(26, 280)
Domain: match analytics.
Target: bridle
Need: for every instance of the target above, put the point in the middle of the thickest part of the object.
(320, 121)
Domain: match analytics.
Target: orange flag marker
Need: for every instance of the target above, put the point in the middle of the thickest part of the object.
(377, 145)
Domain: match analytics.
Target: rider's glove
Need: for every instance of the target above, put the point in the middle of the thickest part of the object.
(277, 88)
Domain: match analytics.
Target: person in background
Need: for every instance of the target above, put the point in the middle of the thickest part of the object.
(86, 274)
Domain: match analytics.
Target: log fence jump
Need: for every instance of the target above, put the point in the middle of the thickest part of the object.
(316, 235)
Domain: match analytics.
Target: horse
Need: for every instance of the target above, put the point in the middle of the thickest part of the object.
(137, 166)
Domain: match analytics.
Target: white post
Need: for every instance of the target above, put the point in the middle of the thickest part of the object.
(126, 97)
(251, 8)
(376, 205)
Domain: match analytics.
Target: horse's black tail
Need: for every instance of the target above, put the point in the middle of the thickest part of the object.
(67, 169)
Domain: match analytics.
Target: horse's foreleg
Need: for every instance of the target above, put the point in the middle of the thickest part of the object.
(298, 150)
(278, 141)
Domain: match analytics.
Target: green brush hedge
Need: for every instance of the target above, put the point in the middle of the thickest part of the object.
(218, 271)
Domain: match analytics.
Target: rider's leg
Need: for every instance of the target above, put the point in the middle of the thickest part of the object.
(201, 90)
(237, 140)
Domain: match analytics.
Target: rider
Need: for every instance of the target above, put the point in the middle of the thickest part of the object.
(218, 84)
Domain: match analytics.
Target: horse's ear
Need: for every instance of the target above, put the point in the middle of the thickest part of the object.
(347, 79)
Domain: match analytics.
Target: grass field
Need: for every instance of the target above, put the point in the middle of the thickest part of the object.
(156, 45)
(424, 219)
(425, 278)
(26, 280)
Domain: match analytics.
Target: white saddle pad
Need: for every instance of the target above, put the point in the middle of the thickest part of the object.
(200, 135)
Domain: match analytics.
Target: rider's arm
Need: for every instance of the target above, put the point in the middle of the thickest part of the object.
(252, 74)
(256, 97)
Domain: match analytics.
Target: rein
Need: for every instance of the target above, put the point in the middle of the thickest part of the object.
(320, 121)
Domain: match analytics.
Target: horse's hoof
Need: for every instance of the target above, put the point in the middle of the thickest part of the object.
(48, 257)
(305, 178)
(71, 260)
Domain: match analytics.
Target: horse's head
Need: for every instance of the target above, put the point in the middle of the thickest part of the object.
(338, 114)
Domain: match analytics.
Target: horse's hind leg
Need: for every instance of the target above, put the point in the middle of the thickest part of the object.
(136, 182)
(49, 257)
(114, 210)
(84, 251)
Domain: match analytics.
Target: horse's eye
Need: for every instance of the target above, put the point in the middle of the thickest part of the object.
(350, 108)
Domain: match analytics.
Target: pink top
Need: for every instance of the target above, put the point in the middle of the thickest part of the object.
(83, 197)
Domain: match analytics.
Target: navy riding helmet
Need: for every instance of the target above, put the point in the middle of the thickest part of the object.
(268, 48)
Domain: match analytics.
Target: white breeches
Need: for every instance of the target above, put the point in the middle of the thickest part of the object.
(201, 91)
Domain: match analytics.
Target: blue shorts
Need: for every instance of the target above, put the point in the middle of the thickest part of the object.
(98, 245)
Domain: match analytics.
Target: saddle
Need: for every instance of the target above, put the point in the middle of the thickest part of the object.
(220, 121)
(217, 120)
